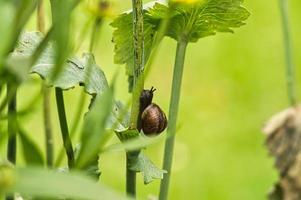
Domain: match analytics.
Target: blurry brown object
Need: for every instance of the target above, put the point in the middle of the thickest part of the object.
(283, 140)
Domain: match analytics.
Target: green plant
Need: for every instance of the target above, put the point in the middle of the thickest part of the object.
(50, 54)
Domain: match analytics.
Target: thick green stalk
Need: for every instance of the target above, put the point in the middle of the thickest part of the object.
(138, 60)
(64, 127)
(130, 176)
(138, 87)
(173, 114)
(290, 66)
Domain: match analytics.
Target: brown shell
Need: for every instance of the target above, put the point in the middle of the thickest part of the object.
(153, 120)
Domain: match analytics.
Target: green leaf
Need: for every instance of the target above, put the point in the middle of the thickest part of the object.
(31, 152)
(124, 45)
(185, 22)
(94, 134)
(61, 20)
(203, 19)
(84, 71)
(144, 165)
(7, 13)
(127, 134)
(15, 16)
(37, 182)
(119, 118)
(18, 63)
(130, 143)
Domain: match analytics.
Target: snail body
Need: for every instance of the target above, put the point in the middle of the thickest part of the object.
(151, 120)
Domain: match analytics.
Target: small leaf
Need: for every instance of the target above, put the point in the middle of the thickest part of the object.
(127, 134)
(119, 118)
(144, 165)
(31, 152)
(130, 143)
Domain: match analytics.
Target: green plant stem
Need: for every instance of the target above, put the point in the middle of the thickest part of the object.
(11, 124)
(64, 127)
(11, 127)
(138, 60)
(173, 114)
(76, 119)
(94, 34)
(46, 95)
(47, 126)
(130, 177)
(41, 16)
(138, 87)
(82, 99)
(290, 66)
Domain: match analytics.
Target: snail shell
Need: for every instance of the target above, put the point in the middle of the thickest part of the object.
(153, 120)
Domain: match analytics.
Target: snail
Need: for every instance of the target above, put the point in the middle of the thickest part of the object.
(151, 120)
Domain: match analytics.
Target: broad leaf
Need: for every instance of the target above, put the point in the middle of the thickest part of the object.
(37, 182)
(31, 152)
(192, 22)
(84, 71)
(18, 63)
(148, 169)
(189, 22)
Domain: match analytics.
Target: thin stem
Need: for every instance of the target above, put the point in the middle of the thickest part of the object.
(47, 126)
(11, 124)
(82, 99)
(77, 116)
(64, 127)
(46, 95)
(290, 66)
(11, 127)
(173, 114)
(41, 16)
(94, 34)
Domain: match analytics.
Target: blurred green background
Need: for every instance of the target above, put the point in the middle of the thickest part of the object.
(232, 84)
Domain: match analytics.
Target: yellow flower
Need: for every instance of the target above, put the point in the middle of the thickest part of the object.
(102, 9)
(186, 1)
